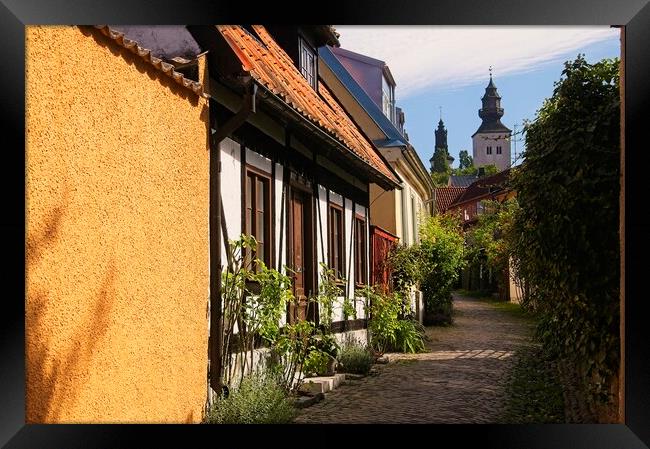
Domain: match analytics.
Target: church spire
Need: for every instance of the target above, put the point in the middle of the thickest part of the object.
(441, 134)
(441, 158)
(491, 110)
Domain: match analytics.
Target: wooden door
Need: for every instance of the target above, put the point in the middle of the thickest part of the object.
(301, 252)
(298, 244)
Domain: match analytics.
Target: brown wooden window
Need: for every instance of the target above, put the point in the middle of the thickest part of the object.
(258, 215)
(360, 251)
(336, 240)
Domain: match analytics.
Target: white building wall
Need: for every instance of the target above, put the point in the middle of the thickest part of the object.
(322, 249)
(398, 214)
(231, 191)
(232, 198)
(481, 141)
(258, 161)
(280, 221)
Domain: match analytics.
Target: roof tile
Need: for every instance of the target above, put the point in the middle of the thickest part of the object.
(270, 66)
(445, 196)
(159, 64)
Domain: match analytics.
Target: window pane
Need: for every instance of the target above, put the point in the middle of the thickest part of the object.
(249, 210)
(259, 231)
(307, 63)
(261, 194)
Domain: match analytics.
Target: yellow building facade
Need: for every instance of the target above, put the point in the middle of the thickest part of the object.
(117, 239)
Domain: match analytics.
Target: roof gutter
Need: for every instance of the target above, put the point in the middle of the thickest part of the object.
(217, 228)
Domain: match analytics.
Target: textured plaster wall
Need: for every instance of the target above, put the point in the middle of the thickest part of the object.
(117, 235)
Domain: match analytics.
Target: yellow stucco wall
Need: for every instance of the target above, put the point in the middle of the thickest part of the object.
(117, 235)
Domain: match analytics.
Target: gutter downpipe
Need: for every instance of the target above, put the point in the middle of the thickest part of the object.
(216, 229)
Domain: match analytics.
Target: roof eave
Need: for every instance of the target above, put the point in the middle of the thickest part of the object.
(375, 175)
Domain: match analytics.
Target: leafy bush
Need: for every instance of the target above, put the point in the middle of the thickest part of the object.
(328, 292)
(441, 258)
(566, 234)
(406, 267)
(292, 349)
(388, 330)
(434, 264)
(316, 363)
(254, 312)
(355, 359)
(409, 336)
(259, 399)
(326, 343)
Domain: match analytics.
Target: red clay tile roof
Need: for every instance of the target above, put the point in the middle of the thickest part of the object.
(483, 186)
(271, 67)
(168, 69)
(445, 196)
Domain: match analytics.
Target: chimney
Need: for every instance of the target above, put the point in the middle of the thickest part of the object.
(481, 172)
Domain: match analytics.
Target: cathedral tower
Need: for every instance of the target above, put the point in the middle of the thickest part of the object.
(491, 142)
(441, 151)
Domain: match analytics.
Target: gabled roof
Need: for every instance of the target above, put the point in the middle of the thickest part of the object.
(483, 187)
(393, 136)
(461, 180)
(272, 68)
(168, 69)
(445, 196)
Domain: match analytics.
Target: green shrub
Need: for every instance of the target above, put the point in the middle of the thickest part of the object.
(316, 363)
(566, 232)
(259, 399)
(441, 258)
(355, 359)
(409, 336)
(388, 330)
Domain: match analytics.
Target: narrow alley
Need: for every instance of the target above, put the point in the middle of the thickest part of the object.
(459, 379)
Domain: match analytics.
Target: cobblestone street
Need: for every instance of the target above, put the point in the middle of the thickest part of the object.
(460, 379)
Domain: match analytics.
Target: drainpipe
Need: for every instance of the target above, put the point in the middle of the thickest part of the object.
(216, 137)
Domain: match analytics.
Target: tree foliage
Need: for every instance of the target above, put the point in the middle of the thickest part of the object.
(490, 169)
(566, 239)
(440, 160)
(464, 160)
(489, 240)
(441, 258)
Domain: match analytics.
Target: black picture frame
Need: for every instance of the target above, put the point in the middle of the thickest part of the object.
(634, 14)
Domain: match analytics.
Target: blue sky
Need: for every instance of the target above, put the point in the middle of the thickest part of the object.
(448, 67)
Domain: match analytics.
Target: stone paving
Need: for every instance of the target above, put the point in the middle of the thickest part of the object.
(460, 379)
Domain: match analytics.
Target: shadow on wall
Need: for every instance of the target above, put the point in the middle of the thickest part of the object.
(55, 380)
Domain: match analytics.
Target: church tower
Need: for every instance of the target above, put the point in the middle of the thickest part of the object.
(491, 142)
(440, 151)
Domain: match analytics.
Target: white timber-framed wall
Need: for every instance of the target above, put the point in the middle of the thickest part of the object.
(232, 209)
(235, 150)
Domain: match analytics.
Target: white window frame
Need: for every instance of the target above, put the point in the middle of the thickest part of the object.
(303, 50)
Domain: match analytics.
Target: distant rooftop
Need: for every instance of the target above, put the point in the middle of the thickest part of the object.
(461, 180)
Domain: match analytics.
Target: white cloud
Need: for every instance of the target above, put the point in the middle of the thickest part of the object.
(454, 56)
